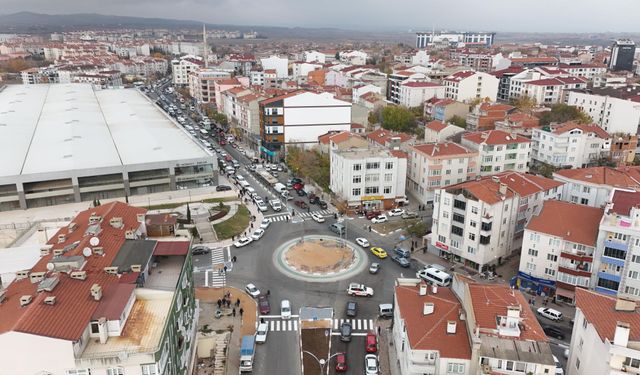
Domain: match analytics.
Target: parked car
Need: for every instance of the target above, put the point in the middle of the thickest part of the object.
(352, 308)
(360, 290)
(261, 333)
(345, 332)
(374, 268)
(379, 219)
(264, 224)
(362, 242)
(341, 362)
(396, 212)
(244, 241)
(301, 192)
(559, 369)
(263, 305)
(275, 204)
(371, 343)
(409, 215)
(553, 332)
(285, 309)
(551, 314)
(322, 204)
(200, 250)
(371, 364)
(257, 234)
(223, 188)
(402, 261)
(371, 214)
(301, 204)
(262, 206)
(317, 217)
(252, 290)
(379, 252)
(295, 180)
(313, 199)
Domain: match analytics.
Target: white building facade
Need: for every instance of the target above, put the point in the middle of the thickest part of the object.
(499, 151)
(180, 69)
(468, 85)
(279, 64)
(614, 115)
(569, 145)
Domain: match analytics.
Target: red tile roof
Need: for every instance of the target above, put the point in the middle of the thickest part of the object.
(487, 189)
(600, 310)
(447, 149)
(114, 299)
(382, 136)
(624, 177)
(510, 70)
(160, 219)
(420, 84)
(572, 222)
(436, 125)
(569, 126)
(459, 76)
(623, 201)
(495, 137)
(171, 248)
(399, 154)
(429, 332)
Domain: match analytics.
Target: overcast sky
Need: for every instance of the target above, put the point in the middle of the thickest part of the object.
(494, 15)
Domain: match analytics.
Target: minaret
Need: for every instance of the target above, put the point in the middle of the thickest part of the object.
(204, 45)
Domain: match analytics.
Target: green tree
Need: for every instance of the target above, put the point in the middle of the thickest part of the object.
(524, 104)
(188, 213)
(418, 229)
(458, 121)
(562, 113)
(398, 118)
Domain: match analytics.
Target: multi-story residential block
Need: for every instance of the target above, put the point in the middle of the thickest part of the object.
(444, 109)
(504, 85)
(481, 62)
(314, 56)
(623, 149)
(499, 151)
(484, 116)
(100, 300)
(368, 178)
(622, 55)
(593, 186)
(353, 57)
(605, 336)
(279, 64)
(414, 94)
(614, 110)
(436, 165)
(424, 39)
(391, 140)
(181, 68)
(616, 262)
(202, 84)
(438, 132)
(519, 123)
(478, 223)
(588, 71)
(299, 118)
(301, 69)
(532, 62)
(467, 85)
(249, 119)
(429, 331)
(230, 107)
(396, 78)
(551, 90)
(569, 145)
(538, 73)
(557, 250)
(224, 84)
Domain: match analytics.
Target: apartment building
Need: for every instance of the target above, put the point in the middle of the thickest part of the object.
(100, 300)
(181, 68)
(202, 84)
(480, 62)
(299, 118)
(391, 140)
(368, 178)
(436, 165)
(429, 331)
(605, 335)
(249, 119)
(593, 186)
(558, 248)
(589, 71)
(222, 85)
(485, 115)
(279, 64)
(538, 73)
(479, 222)
(467, 85)
(569, 145)
(445, 109)
(504, 85)
(614, 110)
(518, 123)
(438, 132)
(499, 151)
(414, 94)
(623, 149)
(353, 57)
(397, 77)
(551, 90)
(484, 39)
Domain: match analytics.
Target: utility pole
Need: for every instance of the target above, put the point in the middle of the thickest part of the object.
(204, 45)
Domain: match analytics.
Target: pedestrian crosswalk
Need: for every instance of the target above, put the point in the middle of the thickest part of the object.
(218, 280)
(282, 325)
(281, 217)
(218, 255)
(308, 214)
(356, 324)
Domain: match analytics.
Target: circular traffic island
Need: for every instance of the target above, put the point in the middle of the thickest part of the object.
(319, 259)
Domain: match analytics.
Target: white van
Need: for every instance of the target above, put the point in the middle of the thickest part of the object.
(435, 276)
(251, 191)
(244, 184)
(280, 187)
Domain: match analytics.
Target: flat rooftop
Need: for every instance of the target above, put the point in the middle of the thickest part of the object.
(62, 127)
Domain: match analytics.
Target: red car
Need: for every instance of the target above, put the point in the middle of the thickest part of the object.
(298, 186)
(263, 304)
(371, 343)
(341, 362)
(371, 214)
(223, 142)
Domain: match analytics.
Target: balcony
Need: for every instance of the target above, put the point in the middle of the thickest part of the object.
(610, 275)
(615, 244)
(574, 271)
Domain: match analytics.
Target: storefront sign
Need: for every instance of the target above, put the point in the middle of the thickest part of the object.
(267, 151)
(442, 246)
(373, 198)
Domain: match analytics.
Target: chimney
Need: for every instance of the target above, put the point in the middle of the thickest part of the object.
(503, 189)
(434, 289)
(25, 300)
(428, 308)
(495, 179)
(621, 336)
(625, 304)
(423, 289)
(51, 300)
(451, 327)
(96, 292)
(62, 238)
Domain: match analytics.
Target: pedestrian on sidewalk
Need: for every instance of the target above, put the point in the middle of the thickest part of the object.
(219, 303)
(287, 218)
(234, 259)
(238, 302)
(251, 225)
(241, 312)
(225, 269)
(378, 330)
(233, 238)
(261, 320)
(233, 312)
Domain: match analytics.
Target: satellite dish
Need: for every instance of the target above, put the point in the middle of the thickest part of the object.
(94, 241)
(50, 266)
(87, 251)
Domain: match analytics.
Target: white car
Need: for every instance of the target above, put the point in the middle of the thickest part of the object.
(239, 177)
(379, 219)
(550, 314)
(265, 224)
(362, 242)
(275, 204)
(371, 364)
(317, 217)
(244, 241)
(361, 290)
(396, 212)
(261, 333)
(257, 234)
(252, 290)
(559, 370)
(261, 206)
(285, 309)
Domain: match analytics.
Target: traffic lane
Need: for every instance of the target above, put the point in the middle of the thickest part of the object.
(280, 354)
(558, 351)
(562, 326)
(355, 351)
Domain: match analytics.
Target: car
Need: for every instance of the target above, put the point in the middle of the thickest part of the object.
(261, 333)
(285, 309)
(301, 193)
(317, 217)
(402, 261)
(371, 343)
(295, 180)
(371, 214)
(264, 224)
(409, 215)
(345, 331)
(352, 308)
(275, 204)
(238, 177)
(297, 186)
(379, 252)
(274, 173)
(289, 186)
(553, 332)
(300, 204)
(223, 188)
(263, 305)
(200, 250)
(359, 290)
(550, 314)
(371, 364)
(362, 242)
(280, 168)
(322, 204)
(252, 168)
(252, 290)
(341, 362)
(313, 198)
(374, 268)
(396, 212)
(244, 241)
(379, 219)
(262, 206)
(257, 234)
(559, 370)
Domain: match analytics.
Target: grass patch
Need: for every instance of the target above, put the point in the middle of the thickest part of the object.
(235, 225)
(166, 206)
(390, 226)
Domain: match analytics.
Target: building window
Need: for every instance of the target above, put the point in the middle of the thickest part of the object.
(373, 165)
(115, 371)
(372, 178)
(584, 201)
(473, 224)
(371, 190)
(471, 250)
(455, 368)
(578, 363)
(457, 230)
(459, 204)
(388, 177)
(472, 236)
(457, 217)
(551, 257)
(614, 253)
(388, 165)
(549, 271)
(533, 252)
(531, 266)
(149, 369)
(442, 239)
(357, 167)
(356, 192)
(387, 190)
(357, 179)
(79, 372)
(474, 210)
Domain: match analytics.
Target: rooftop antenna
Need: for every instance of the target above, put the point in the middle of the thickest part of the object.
(204, 45)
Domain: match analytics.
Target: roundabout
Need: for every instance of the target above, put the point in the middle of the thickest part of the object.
(319, 258)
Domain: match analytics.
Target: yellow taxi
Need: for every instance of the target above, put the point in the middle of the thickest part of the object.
(379, 252)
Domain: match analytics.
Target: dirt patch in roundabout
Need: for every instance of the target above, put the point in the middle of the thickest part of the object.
(319, 256)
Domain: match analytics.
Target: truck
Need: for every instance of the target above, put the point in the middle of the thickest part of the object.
(247, 350)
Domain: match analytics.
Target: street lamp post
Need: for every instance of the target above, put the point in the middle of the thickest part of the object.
(322, 362)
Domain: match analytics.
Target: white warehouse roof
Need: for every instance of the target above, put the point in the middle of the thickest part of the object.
(61, 127)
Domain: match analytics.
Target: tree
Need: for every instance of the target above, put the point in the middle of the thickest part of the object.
(458, 121)
(561, 112)
(524, 104)
(398, 118)
(420, 132)
(372, 118)
(188, 213)
(418, 229)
